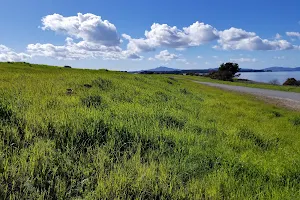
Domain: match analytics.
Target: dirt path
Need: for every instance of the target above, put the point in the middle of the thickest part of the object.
(287, 99)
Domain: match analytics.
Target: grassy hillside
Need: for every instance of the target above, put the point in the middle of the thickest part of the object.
(69, 133)
(246, 84)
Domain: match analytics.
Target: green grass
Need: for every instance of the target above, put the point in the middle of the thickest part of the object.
(122, 136)
(243, 83)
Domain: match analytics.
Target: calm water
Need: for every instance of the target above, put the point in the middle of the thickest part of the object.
(268, 76)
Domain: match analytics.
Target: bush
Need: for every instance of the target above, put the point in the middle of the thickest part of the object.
(192, 74)
(222, 75)
(103, 84)
(226, 72)
(292, 81)
(274, 82)
(92, 101)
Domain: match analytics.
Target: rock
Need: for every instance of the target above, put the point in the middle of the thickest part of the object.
(69, 91)
(87, 85)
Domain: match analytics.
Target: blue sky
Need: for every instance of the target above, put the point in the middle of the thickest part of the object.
(132, 35)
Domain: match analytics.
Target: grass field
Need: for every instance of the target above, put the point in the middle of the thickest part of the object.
(123, 136)
(244, 83)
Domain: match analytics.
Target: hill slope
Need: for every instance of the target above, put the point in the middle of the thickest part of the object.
(162, 69)
(95, 134)
(283, 69)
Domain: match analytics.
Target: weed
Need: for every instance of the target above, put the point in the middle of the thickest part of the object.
(296, 121)
(103, 84)
(92, 101)
(276, 114)
(169, 121)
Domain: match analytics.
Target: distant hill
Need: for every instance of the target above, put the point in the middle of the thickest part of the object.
(282, 69)
(168, 70)
(162, 69)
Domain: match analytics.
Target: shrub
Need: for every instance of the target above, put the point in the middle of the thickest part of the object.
(87, 85)
(191, 74)
(171, 122)
(274, 82)
(184, 91)
(221, 75)
(292, 81)
(103, 84)
(69, 91)
(296, 121)
(5, 113)
(231, 67)
(161, 96)
(226, 72)
(92, 101)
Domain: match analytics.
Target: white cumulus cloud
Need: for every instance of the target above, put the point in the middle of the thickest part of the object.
(99, 38)
(278, 36)
(163, 35)
(238, 39)
(76, 51)
(166, 56)
(88, 27)
(90, 36)
(4, 48)
(139, 45)
(293, 34)
(243, 60)
(7, 54)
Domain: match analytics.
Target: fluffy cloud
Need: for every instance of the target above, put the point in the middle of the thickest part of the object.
(7, 54)
(139, 45)
(238, 39)
(4, 48)
(166, 56)
(76, 51)
(278, 36)
(14, 57)
(163, 35)
(243, 60)
(293, 34)
(99, 38)
(234, 34)
(183, 60)
(130, 55)
(88, 27)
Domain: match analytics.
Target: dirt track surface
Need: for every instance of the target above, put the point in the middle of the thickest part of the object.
(287, 99)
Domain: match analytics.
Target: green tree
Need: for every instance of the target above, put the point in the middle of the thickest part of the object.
(226, 71)
(230, 67)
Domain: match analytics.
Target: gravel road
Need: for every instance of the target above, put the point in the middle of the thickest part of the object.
(287, 99)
